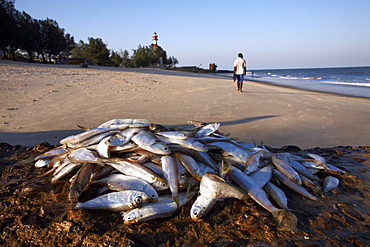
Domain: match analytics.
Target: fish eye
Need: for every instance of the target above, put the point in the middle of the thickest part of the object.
(183, 174)
(138, 199)
(164, 184)
(195, 212)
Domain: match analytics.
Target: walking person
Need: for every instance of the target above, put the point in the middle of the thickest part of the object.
(240, 69)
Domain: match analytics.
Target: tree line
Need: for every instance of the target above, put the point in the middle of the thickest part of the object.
(44, 39)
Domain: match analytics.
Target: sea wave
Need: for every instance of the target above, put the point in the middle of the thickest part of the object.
(364, 84)
(300, 78)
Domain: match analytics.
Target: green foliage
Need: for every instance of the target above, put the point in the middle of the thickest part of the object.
(145, 56)
(95, 51)
(9, 30)
(45, 39)
(126, 61)
(31, 35)
(142, 56)
(116, 58)
(18, 30)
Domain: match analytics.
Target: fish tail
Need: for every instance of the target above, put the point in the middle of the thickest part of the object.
(58, 208)
(47, 173)
(176, 200)
(286, 220)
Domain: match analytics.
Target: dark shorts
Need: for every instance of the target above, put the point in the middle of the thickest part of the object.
(239, 77)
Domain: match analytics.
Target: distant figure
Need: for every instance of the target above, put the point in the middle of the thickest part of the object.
(240, 69)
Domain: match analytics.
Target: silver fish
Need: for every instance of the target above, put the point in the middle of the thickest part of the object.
(103, 148)
(207, 129)
(101, 173)
(214, 187)
(83, 155)
(183, 177)
(120, 182)
(115, 201)
(170, 173)
(146, 140)
(318, 159)
(173, 134)
(80, 181)
(42, 163)
(154, 167)
(209, 139)
(188, 142)
(123, 137)
(64, 170)
(232, 149)
(313, 165)
(190, 165)
(134, 169)
(252, 188)
(208, 160)
(335, 169)
(293, 186)
(201, 207)
(123, 148)
(314, 187)
(262, 176)
(330, 183)
(52, 153)
(277, 194)
(286, 169)
(124, 123)
(285, 220)
(253, 162)
(163, 208)
(88, 137)
(301, 169)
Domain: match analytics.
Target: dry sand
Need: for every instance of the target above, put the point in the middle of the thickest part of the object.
(45, 103)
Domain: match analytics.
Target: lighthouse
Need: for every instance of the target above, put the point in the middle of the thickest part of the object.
(155, 39)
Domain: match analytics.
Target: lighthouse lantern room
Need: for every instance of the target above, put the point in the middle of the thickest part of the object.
(155, 39)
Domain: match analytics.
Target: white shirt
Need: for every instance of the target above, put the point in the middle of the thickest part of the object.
(240, 63)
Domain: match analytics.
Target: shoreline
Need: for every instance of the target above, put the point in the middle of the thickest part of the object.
(310, 87)
(45, 103)
(191, 74)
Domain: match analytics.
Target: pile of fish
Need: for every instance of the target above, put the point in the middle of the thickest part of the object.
(147, 171)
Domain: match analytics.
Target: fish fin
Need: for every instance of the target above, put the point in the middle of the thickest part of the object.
(224, 170)
(83, 127)
(48, 172)
(254, 142)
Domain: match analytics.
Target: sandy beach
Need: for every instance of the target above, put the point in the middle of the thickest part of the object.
(41, 104)
(46, 103)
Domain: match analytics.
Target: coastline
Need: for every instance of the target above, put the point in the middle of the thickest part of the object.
(343, 89)
(45, 103)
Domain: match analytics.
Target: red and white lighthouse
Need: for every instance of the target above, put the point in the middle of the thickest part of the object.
(155, 39)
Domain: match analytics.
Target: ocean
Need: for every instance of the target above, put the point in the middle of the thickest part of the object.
(351, 81)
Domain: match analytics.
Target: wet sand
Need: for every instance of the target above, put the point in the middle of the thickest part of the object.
(46, 102)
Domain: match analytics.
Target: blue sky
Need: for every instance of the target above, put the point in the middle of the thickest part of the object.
(270, 33)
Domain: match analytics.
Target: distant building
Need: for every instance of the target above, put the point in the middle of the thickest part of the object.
(77, 61)
(59, 60)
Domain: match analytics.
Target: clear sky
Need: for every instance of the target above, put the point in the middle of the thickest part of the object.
(270, 33)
